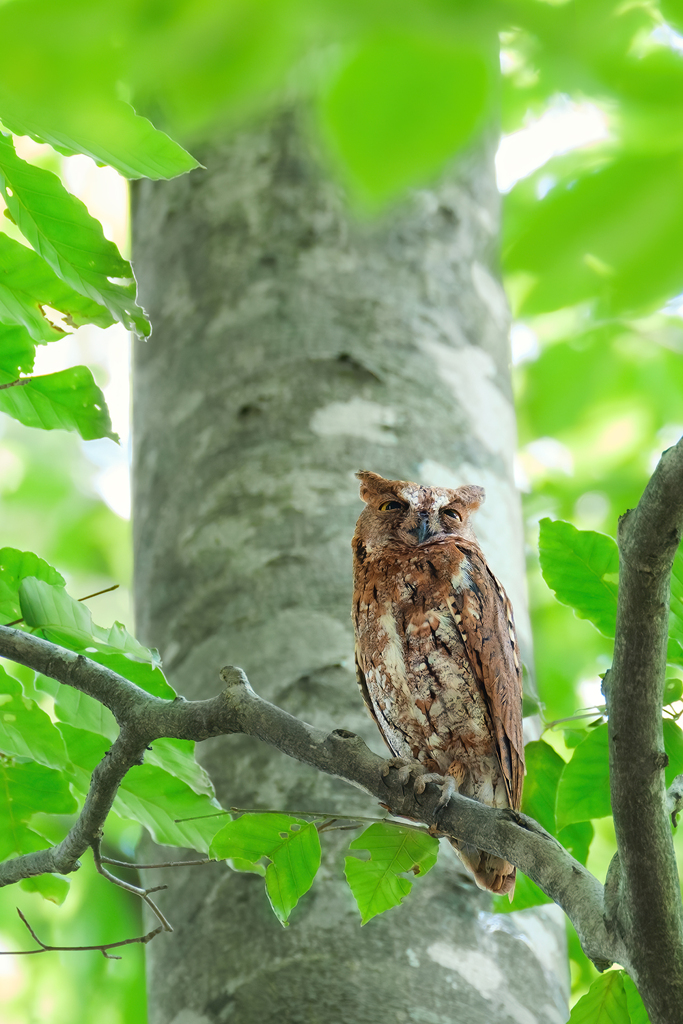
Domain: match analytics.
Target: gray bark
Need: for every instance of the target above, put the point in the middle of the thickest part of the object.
(291, 347)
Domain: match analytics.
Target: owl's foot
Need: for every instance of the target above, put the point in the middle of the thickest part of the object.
(407, 766)
(448, 788)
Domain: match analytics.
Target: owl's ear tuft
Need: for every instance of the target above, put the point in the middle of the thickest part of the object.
(370, 484)
(471, 496)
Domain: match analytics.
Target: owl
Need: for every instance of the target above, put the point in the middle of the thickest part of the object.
(436, 654)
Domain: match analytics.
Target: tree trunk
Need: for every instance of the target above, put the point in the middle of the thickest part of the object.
(292, 346)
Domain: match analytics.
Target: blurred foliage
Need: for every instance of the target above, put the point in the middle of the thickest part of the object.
(593, 267)
(75, 988)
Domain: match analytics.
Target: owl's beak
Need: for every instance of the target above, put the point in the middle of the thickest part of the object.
(422, 530)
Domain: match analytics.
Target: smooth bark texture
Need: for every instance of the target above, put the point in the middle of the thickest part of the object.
(292, 347)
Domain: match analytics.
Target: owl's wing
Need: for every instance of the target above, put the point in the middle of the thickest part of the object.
(483, 615)
(365, 693)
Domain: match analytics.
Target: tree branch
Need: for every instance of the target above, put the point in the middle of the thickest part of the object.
(144, 718)
(649, 905)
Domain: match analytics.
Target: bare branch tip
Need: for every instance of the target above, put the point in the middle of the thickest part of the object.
(233, 676)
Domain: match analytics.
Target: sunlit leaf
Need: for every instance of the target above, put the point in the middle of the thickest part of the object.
(634, 1003)
(177, 758)
(604, 1003)
(79, 709)
(27, 284)
(291, 844)
(378, 884)
(25, 729)
(577, 838)
(583, 790)
(68, 623)
(26, 789)
(61, 230)
(673, 745)
(620, 227)
(157, 800)
(67, 400)
(75, 106)
(240, 864)
(54, 888)
(15, 566)
(574, 564)
(401, 104)
(17, 352)
(149, 795)
(675, 646)
(544, 768)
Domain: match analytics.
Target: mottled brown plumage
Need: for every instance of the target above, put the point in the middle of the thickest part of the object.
(436, 654)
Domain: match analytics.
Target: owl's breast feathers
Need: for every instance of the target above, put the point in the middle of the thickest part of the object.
(438, 664)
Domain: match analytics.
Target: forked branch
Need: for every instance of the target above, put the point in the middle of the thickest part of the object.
(639, 924)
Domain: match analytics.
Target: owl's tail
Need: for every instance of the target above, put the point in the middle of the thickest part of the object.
(492, 873)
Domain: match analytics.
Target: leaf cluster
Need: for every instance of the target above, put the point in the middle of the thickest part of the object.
(52, 737)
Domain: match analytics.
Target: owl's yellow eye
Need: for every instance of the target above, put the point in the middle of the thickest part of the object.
(391, 506)
(452, 514)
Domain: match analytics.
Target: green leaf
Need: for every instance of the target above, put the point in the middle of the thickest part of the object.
(620, 228)
(15, 566)
(292, 846)
(25, 729)
(67, 622)
(122, 139)
(75, 106)
(27, 284)
(544, 767)
(377, 884)
(149, 795)
(17, 352)
(574, 564)
(79, 709)
(61, 230)
(26, 789)
(54, 888)
(240, 864)
(634, 1003)
(673, 745)
(604, 1003)
(673, 691)
(177, 757)
(401, 105)
(157, 800)
(583, 790)
(67, 400)
(577, 838)
(675, 646)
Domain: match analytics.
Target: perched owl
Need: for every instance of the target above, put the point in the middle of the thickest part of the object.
(436, 654)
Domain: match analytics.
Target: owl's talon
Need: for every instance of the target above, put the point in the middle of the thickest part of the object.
(423, 781)
(406, 767)
(396, 762)
(448, 788)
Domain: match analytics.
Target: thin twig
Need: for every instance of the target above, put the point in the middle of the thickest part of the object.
(161, 864)
(332, 815)
(304, 814)
(87, 597)
(129, 887)
(590, 713)
(44, 948)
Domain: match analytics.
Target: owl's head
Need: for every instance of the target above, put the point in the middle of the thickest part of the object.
(404, 513)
